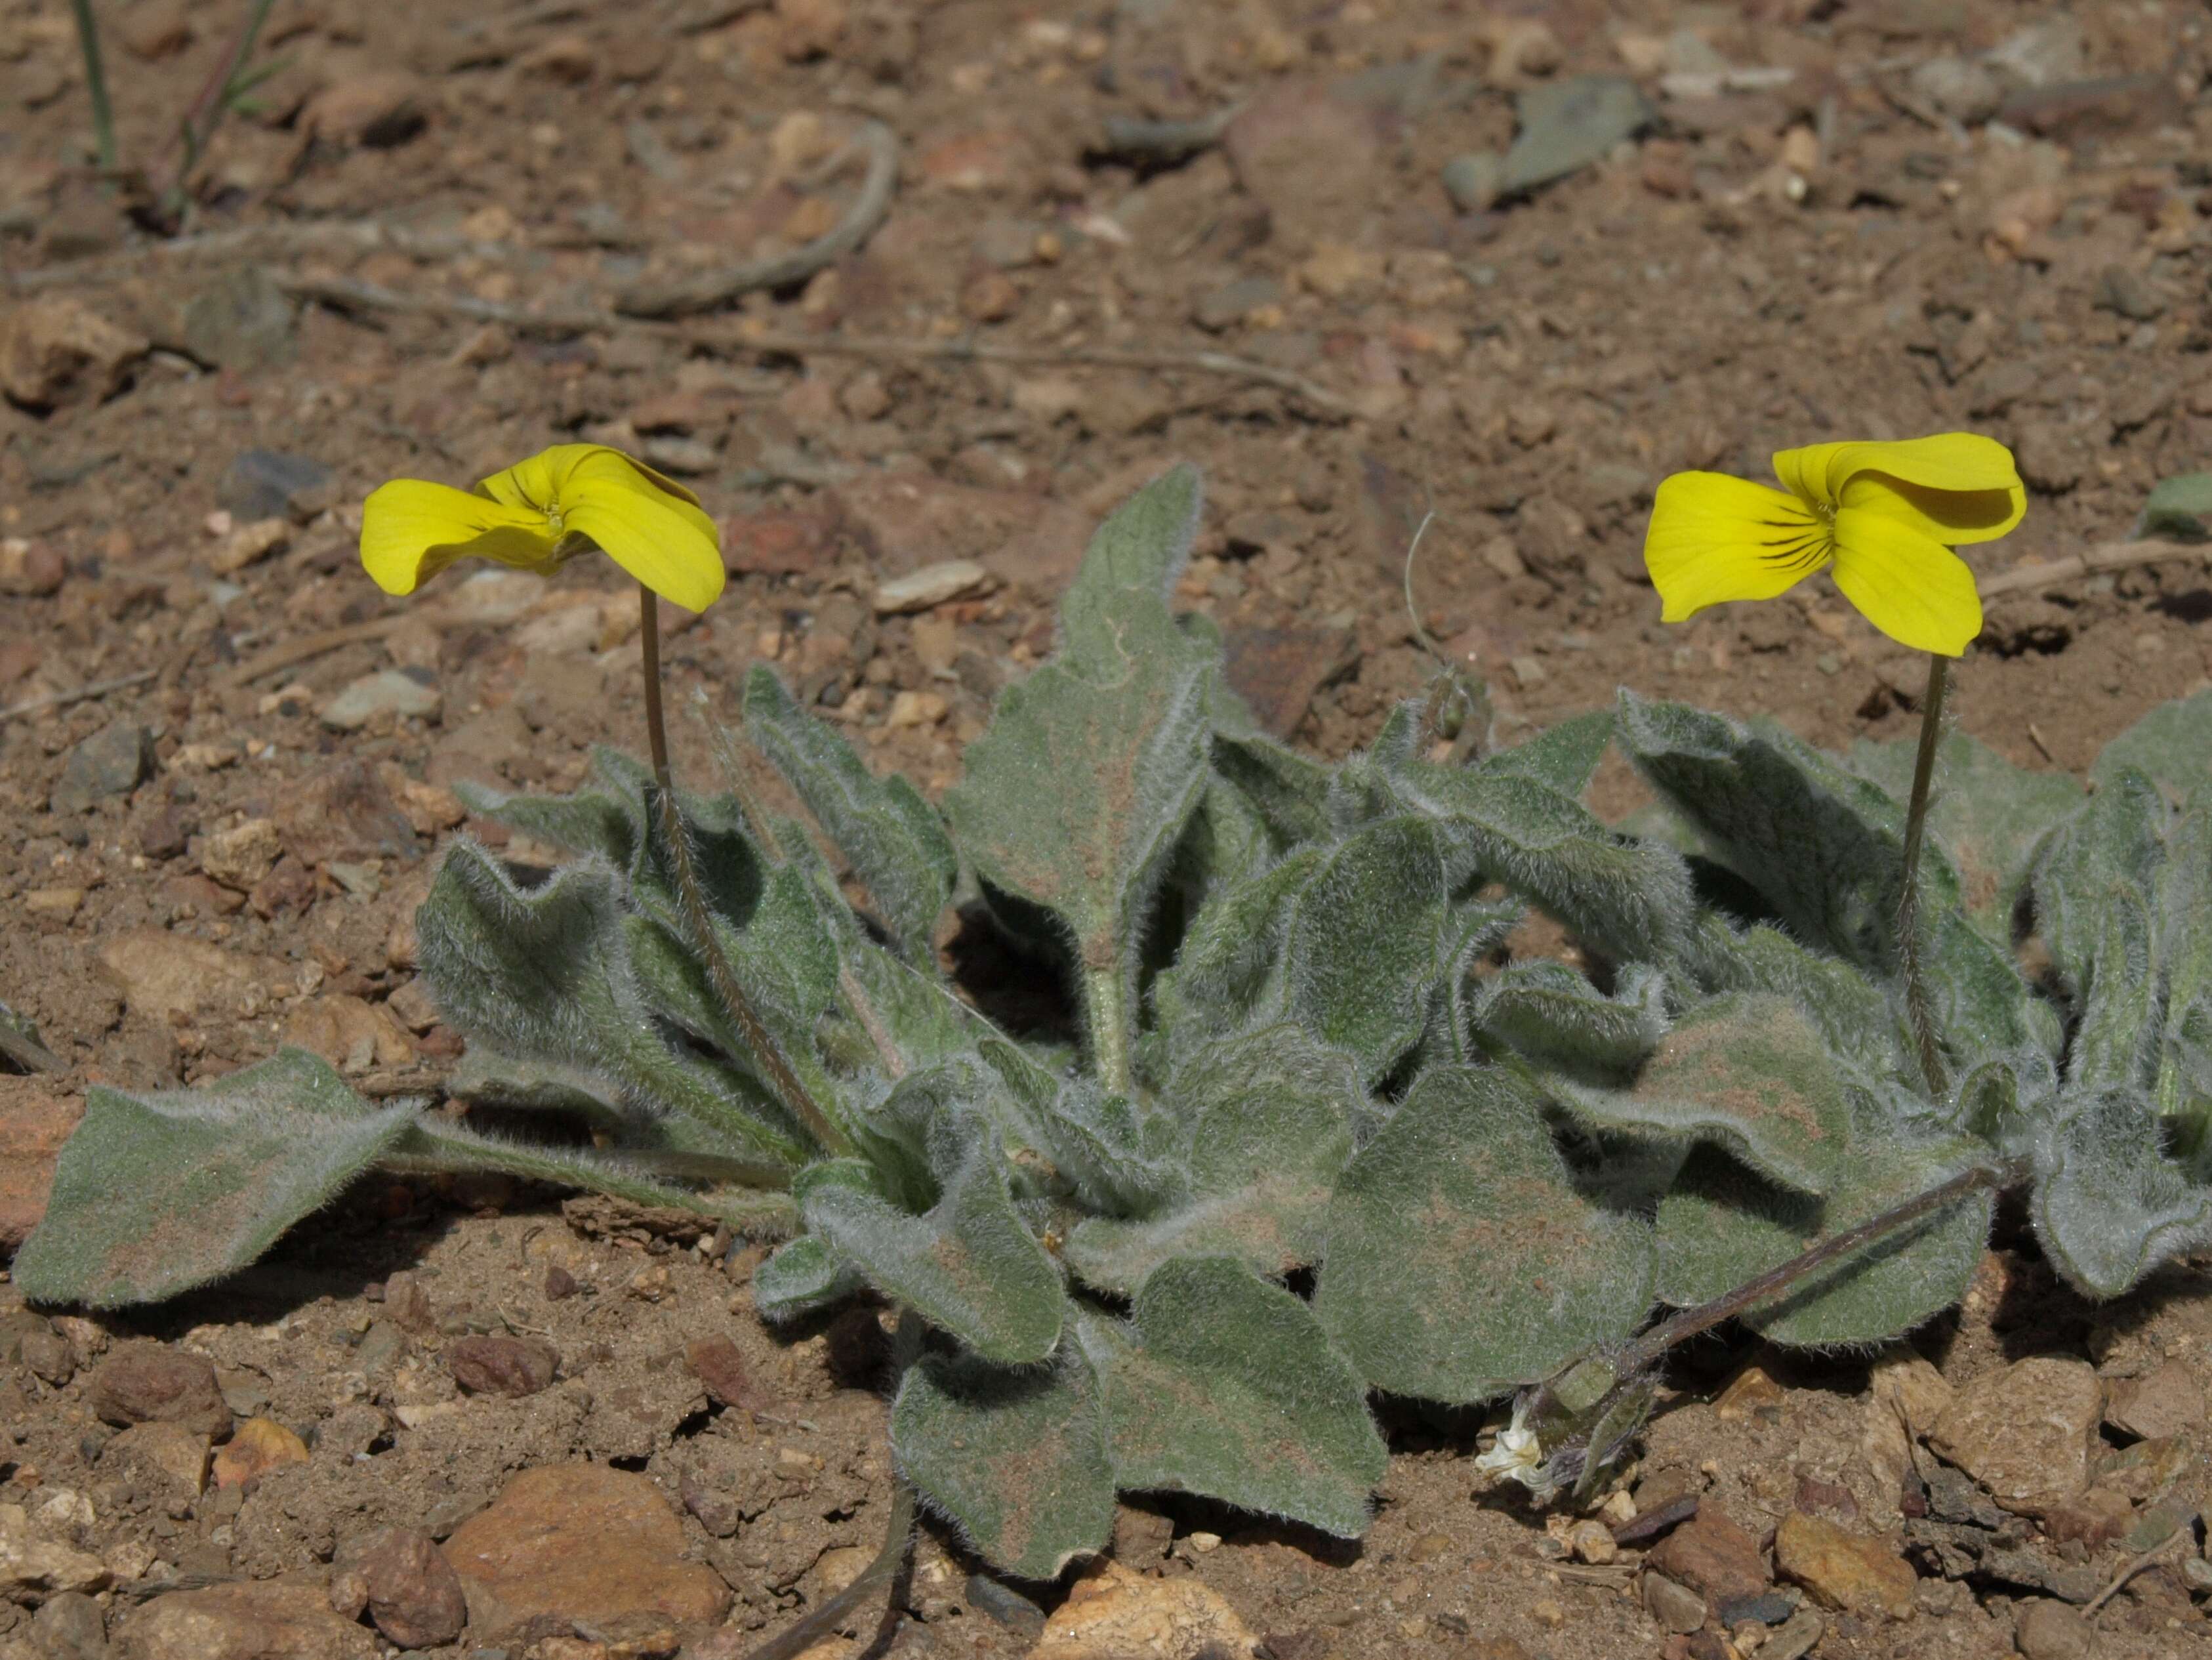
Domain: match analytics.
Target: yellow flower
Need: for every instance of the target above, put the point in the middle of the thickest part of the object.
(1885, 516)
(538, 514)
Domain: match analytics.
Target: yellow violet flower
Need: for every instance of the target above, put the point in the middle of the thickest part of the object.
(539, 513)
(1884, 516)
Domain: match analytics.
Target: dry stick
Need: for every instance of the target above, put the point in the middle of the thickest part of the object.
(316, 645)
(898, 1533)
(54, 700)
(2106, 557)
(348, 295)
(697, 921)
(2150, 1559)
(707, 290)
(281, 239)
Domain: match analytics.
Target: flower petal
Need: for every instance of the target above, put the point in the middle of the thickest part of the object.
(1956, 487)
(410, 530)
(665, 542)
(1908, 585)
(1714, 538)
(600, 465)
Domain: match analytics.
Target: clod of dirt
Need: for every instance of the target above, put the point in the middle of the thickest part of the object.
(150, 1383)
(2052, 1630)
(57, 351)
(400, 1578)
(502, 1365)
(2027, 1433)
(247, 1621)
(2166, 1402)
(1113, 1611)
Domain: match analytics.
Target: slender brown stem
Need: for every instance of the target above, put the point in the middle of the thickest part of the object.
(898, 1534)
(698, 921)
(206, 113)
(1918, 1009)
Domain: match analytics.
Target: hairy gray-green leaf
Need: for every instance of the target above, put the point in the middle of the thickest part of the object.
(1268, 1125)
(1550, 1013)
(1288, 790)
(969, 1265)
(893, 838)
(543, 974)
(1850, 1010)
(1230, 969)
(157, 1193)
(800, 1276)
(1074, 799)
(1015, 1457)
(1097, 1140)
(1462, 1261)
(2173, 745)
(1563, 757)
(2108, 1207)
(1226, 1386)
(1746, 1073)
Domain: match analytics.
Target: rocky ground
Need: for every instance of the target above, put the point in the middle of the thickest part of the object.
(911, 294)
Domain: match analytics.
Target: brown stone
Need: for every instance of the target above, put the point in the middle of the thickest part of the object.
(29, 570)
(378, 109)
(1311, 156)
(163, 975)
(346, 812)
(152, 1455)
(32, 1568)
(252, 1619)
(2107, 107)
(2093, 1518)
(401, 1579)
(1277, 670)
(158, 28)
(2166, 1402)
(145, 1382)
(353, 1035)
(1843, 1571)
(261, 1444)
(36, 1120)
(907, 521)
(1709, 1553)
(778, 543)
(502, 1365)
(716, 1363)
(2026, 1432)
(1113, 1611)
(583, 1543)
(57, 350)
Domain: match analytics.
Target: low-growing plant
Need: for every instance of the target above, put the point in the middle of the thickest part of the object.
(1309, 1131)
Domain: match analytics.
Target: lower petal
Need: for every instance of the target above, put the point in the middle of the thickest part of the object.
(1908, 585)
(1714, 538)
(656, 540)
(410, 530)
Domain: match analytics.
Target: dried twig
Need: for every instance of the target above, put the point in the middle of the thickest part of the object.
(2150, 1559)
(317, 644)
(2106, 557)
(684, 296)
(365, 235)
(55, 700)
(1165, 143)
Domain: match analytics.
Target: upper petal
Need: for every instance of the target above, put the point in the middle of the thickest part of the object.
(595, 465)
(1714, 538)
(1908, 585)
(665, 543)
(411, 529)
(1956, 487)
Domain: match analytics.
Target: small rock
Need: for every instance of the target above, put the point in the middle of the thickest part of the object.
(163, 975)
(1224, 308)
(2027, 1432)
(1113, 1611)
(273, 485)
(1592, 1541)
(69, 1626)
(2052, 1630)
(161, 28)
(250, 1620)
(1673, 1604)
(31, 1566)
(144, 1381)
(59, 905)
(989, 296)
(29, 569)
(159, 1454)
(1005, 1605)
(349, 1032)
(401, 694)
(2123, 292)
(2163, 1402)
(930, 587)
(915, 710)
(30, 1342)
(404, 1583)
(2111, 107)
(378, 110)
(1569, 125)
(585, 1543)
(909, 520)
(241, 320)
(1750, 1390)
(112, 762)
(242, 855)
(1141, 1537)
(502, 1365)
(1709, 1553)
(1964, 89)
(1311, 155)
(1475, 180)
(865, 396)
(1278, 671)
(1795, 1636)
(720, 1368)
(261, 1444)
(684, 458)
(1528, 672)
(55, 350)
(715, 1510)
(778, 543)
(1522, 49)
(1843, 1571)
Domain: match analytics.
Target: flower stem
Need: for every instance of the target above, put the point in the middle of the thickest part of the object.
(1918, 1008)
(96, 81)
(698, 922)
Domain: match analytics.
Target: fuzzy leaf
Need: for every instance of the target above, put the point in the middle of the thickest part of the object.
(2176, 508)
(1720, 1226)
(2171, 744)
(802, 1275)
(1462, 1261)
(2095, 893)
(1095, 1138)
(1225, 1386)
(2108, 1207)
(1017, 1458)
(1548, 1012)
(155, 1194)
(543, 974)
(893, 838)
(969, 1266)
(1288, 791)
(1076, 797)
(1745, 1072)
(1268, 1125)
(1849, 1012)
(1822, 845)
(1563, 757)
(1986, 813)
(1230, 969)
